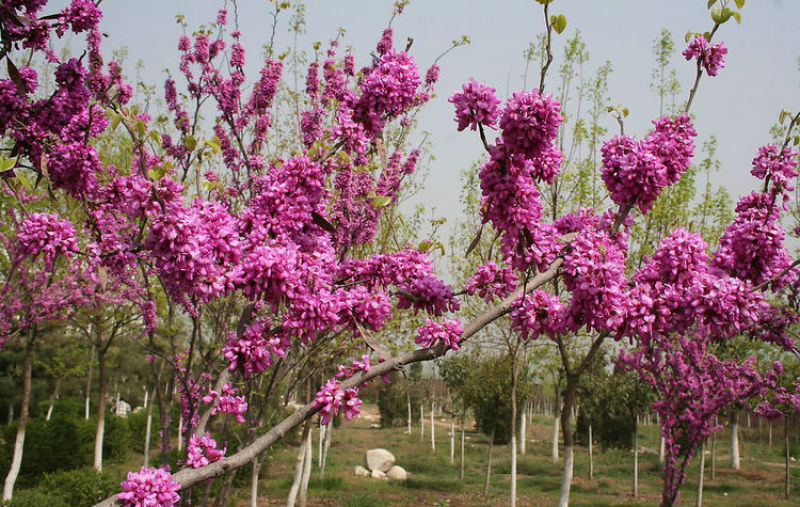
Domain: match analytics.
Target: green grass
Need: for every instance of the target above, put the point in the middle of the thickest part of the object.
(434, 479)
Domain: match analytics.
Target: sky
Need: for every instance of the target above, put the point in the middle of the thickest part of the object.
(738, 107)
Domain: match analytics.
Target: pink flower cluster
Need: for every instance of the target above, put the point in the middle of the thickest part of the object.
(358, 365)
(536, 314)
(253, 351)
(594, 271)
(448, 333)
(202, 450)
(46, 234)
(331, 398)
(752, 247)
(476, 104)
(150, 487)
(227, 402)
(711, 56)
(635, 173)
(529, 122)
(491, 280)
(777, 166)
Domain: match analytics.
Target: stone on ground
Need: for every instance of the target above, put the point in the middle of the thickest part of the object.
(360, 471)
(379, 459)
(397, 473)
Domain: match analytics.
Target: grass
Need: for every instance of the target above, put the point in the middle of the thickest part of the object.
(434, 479)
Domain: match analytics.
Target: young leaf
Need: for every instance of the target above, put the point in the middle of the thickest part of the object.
(190, 142)
(381, 201)
(739, 4)
(561, 23)
(7, 164)
(710, 3)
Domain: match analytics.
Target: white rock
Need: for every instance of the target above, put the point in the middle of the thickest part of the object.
(379, 459)
(377, 474)
(360, 471)
(397, 473)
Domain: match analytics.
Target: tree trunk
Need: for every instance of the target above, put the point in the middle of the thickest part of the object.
(661, 448)
(452, 441)
(714, 452)
(591, 456)
(180, 432)
(433, 429)
(298, 467)
(636, 458)
(22, 424)
(101, 409)
(461, 469)
(53, 398)
(87, 408)
(554, 448)
(514, 415)
(303, 497)
(328, 439)
(254, 482)
(408, 405)
(488, 479)
(523, 430)
(321, 440)
(700, 475)
(421, 421)
(147, 430)
(566, 430)
(10, 414)
(735, 461)
(787, 461)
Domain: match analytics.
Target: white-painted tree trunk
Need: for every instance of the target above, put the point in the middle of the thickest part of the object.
(735, 460)
(461, 469)
(19, 441)
(53, 399)
(513, 469)
(661, 448)
(636, 459)
(591, 455)
(254, 482)
(328, 439)
(180, 433)
(303, 496)
(421, 421)
(700, 475)
(321, 443)
(408, 405)
(554, 448)
(523, 432)
(298, 471)
(452, 441)
(148, 428)
(433, 429)
(566, 478)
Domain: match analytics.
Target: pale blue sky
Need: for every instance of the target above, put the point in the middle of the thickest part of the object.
(738, 106)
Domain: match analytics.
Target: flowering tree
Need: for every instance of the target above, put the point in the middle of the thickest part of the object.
(196, 221)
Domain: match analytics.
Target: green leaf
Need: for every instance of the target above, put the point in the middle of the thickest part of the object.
(115, 121)
(561, 23)
(214, 145)
(739, 4)
(7, 164)
(381, 201)
(716, 15)
(141, 128)
(737, 17)
(155, 135)
(153, 174)
(424, 246)
(190, 142)
(710, 3)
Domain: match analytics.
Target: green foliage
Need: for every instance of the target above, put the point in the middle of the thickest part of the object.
(393, 403)
(484, 384)
(84, 486)
(611, 404)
